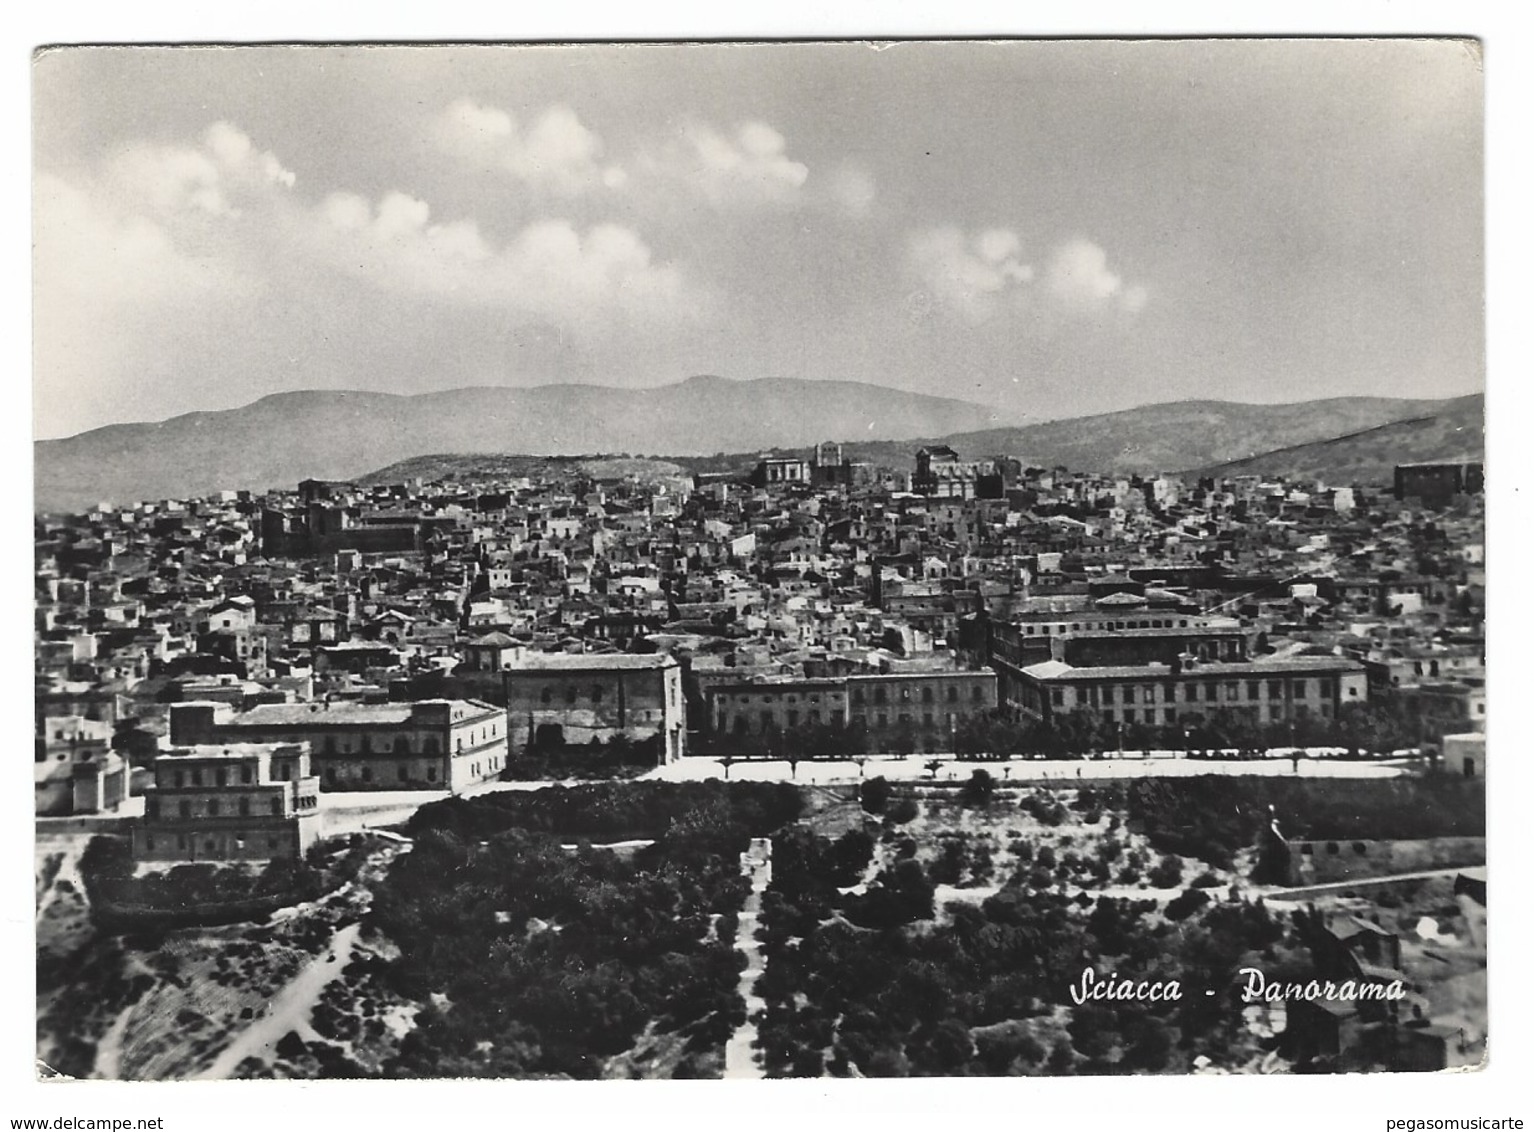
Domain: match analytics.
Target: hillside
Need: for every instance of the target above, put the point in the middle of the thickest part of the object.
(282, 439)
(287, 437)
(494, 468)
(1353, 439)
(1454, 433)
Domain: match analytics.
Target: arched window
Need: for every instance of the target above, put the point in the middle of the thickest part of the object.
(367, 745)
(244, 807)
(213, 808)
(596, 693)
(430, 746)
(548, 695)
(570, 694)
(926, 695)
(401, 745)
(185, 809)
(330, 744)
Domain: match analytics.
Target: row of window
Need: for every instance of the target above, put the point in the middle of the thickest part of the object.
(400, 746)
(597, 694)
(1048, 628)
(1209, 691)
(210, 845)
(219, 777)
(951, 694)
(572, 694)
(1170, 715)
(214, 807)
(402, 772)
(741, 724)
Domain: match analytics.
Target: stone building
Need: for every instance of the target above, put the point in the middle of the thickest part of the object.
(884, 709)
(564, 698)
(424, 745)
(235, 802)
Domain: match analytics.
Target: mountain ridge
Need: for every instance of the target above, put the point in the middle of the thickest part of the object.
(338, 434)
(708, 421)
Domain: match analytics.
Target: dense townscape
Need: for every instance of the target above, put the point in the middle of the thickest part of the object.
(796, 765)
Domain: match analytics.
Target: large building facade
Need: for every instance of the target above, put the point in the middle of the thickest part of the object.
(425, 745)
(555, 699)
(922, 708)
(1162, 676)
(235, 802)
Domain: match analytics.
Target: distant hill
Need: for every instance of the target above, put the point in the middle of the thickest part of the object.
(1214, 437)
(287, 437)
(1454, 433)
(468, 469)
(282, 439)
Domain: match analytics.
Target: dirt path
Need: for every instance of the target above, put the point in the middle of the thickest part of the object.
(740, 1055)
(290, 1008)
(1301, 893)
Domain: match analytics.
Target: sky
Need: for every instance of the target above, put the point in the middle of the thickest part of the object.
(1048, 228)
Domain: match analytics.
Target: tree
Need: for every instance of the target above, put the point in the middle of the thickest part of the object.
(979, 789)
(875, 794)
(1062, 1059)
(1183, 905)
(1151, 1047)
(903, 810)
(1166, 873)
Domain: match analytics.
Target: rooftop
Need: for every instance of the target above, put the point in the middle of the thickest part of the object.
(592, 662)
(1266, 666)
(340, 714)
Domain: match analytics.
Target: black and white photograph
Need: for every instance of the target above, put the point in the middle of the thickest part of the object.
(757, 560)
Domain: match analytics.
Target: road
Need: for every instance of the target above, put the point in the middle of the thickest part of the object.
(1305, 892)
(741, 1062)
(290, 1008)
(1041, 771)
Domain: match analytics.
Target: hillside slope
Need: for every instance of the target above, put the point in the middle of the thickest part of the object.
(288, 437)
(1455, 433)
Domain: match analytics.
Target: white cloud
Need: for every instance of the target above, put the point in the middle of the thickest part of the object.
(982, 276)
(216, 178)
(108, 284)
(1079, 278)
(974, 278)
(162, 248)
(997, 245)
(555, 152)
(549, 270)
(750, 166)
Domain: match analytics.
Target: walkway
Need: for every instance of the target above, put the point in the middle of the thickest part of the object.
(290, 1009)
(1047, 772)
(1328, 888)
(740, 1055)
